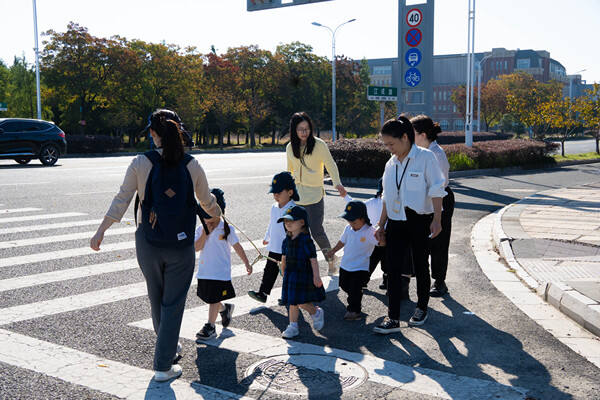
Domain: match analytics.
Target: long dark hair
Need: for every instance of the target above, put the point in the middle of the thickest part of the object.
(166, 126)
(423, 123)
(398, 128)
(295, 140)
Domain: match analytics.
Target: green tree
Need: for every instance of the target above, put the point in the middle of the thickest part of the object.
(588, 107)
(559, 113)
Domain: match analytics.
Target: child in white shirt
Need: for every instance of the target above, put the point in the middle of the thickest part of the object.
(358, 241)
(284, 192)
(214, 269)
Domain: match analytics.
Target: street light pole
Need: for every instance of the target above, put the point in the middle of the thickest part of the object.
(37, 62)
(333, 32)
(479, 72)
(470, 73)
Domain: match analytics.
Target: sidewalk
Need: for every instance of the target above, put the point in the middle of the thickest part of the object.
(554, 236)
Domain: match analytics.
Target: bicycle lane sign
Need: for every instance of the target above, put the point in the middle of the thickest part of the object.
(412, 77)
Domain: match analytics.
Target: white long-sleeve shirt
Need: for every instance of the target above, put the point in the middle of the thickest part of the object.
(275, 231)
(423, 179)
(440, 155)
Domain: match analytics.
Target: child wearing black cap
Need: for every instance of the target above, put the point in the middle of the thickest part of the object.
(214, 268)
(285, 194)
(359, 241)
(302, 283)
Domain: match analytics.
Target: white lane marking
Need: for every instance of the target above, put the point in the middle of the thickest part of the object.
(79, 251)
(59, 225)
(9, 244)
(84, 193)
(98, 373)
(380, 371)
(40, 217)
(24, 183)
(19, 210)
(91, 299)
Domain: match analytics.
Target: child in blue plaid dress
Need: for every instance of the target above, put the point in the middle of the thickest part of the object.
(302, 283)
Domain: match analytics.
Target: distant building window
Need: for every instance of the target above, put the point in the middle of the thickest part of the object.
(506, 65)
(385, 70)
(415, 97)
(459, 124)
(523, 63)
(434, 95)
(444, 125)
(454, 108)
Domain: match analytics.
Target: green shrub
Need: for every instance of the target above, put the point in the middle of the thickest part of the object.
(461, 161)
(80, 144)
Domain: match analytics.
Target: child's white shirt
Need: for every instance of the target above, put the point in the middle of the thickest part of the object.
(214, 261)
(275, 234)
(358, 246)
(374, 208)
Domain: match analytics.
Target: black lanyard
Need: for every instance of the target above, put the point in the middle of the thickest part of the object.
(399, 184)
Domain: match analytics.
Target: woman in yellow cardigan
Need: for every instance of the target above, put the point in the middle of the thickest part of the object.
(307, 156)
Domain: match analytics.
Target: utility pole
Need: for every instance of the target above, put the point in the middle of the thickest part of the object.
(37, 62)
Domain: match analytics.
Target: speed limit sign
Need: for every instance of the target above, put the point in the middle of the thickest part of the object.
(414, 17)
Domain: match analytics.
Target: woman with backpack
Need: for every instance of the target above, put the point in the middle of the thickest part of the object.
(167, 181)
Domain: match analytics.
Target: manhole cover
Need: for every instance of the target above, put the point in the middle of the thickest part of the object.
(304, 374)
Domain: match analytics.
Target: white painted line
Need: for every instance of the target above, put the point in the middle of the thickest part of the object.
(63, 238)
(19, 210)
(85, 193)
(97, 373)
(80, 251)
(59, 225)
(40, 217)
(24, 183)
(380, 371)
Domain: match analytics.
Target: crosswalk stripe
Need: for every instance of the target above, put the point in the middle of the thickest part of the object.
(63, 238)
(40, 217)
(59, 225)
(18, 210)
(81, 251)
(97, 373)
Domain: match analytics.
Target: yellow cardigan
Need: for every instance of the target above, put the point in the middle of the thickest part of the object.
(309, 176)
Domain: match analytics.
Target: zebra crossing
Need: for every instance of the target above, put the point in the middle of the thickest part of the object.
(134, 381)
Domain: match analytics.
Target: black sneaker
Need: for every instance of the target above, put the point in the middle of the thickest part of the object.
(226, 314)
(438, 289)
(258, 296)
(207, 332)
(387, 326)
(418, 317)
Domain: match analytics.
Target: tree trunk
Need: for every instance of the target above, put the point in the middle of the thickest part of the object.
(221, 135)
(252, 138)
(228, 138)
(273, 136)
(562, 147)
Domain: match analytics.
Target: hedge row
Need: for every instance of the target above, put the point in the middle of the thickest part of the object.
(366, 158)
(78, 144)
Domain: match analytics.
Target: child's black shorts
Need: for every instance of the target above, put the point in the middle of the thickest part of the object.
(212, 291)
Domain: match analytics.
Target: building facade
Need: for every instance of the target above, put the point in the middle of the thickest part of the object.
(450, 72)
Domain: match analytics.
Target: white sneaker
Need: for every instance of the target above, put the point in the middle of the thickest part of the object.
(174, 372)
(318, 319)
(290, 332)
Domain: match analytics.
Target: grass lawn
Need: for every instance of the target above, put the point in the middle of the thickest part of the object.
(577, 157)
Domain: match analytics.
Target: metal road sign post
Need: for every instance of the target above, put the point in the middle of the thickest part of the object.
(413, 73)
(382, 94)
(257, 5)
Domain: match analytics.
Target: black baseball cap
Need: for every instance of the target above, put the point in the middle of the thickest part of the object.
(354, 210)
(284, 181)
(295, 213)
(220, 197)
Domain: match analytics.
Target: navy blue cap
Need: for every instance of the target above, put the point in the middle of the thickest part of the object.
(355, 209)
(295, 213)
(220, 197)
(167, 113)
(284, 181)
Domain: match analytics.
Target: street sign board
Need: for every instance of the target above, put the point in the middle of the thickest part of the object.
(382, 93)
(257, 5)
(413, 37)
(413, 57)
(414, 17)
(412, 77)
(3, 107)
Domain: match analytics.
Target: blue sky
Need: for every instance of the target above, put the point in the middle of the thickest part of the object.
(567, 29)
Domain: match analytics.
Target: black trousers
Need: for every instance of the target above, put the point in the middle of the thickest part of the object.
(352, 282)
(378, 256)
(407, 244)
(270, 274)
(441, 243)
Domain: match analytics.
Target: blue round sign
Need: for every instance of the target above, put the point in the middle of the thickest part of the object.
(412, 77)
(413, 57)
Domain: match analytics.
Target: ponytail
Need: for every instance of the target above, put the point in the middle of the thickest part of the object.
(424, 124)
(164, 123)
(226, 229)
(398, 128)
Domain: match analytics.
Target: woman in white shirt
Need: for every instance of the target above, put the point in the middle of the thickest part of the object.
(413, 187)
(426, 132)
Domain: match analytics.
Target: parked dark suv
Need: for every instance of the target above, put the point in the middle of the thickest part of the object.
(25, 139)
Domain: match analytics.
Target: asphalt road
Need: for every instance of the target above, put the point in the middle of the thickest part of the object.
(579, 146)
(60, 303)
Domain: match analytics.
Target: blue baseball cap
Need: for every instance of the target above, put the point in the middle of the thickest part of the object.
(284, 181)
(354, 210)
(295, 213)
(220, 197)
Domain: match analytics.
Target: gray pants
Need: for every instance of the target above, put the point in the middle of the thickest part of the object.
(168, 274)
(316, 213)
